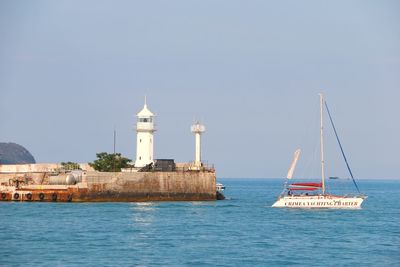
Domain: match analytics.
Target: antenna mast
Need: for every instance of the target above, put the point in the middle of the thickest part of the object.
(321, 100)
(114, 150)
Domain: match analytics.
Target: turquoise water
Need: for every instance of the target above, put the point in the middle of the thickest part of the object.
(241, 231)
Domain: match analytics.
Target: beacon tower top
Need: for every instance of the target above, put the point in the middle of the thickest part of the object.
(144, 136)
(145, 112)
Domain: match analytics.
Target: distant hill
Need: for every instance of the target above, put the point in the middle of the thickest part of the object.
(11, 153)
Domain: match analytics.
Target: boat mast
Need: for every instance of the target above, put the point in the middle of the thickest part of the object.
(321, 100)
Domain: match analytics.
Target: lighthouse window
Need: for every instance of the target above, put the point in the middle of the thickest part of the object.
(140, 140)
(140, 158)
(145, 120)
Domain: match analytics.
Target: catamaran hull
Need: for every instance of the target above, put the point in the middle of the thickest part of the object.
(331, 202)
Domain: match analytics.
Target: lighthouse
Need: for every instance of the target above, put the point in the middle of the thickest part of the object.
(198, 129)
(144, 137)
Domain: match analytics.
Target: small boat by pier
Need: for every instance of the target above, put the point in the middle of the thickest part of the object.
(220, 187)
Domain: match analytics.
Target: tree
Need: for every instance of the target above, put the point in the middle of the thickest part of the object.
(69, 166)
(109, 162)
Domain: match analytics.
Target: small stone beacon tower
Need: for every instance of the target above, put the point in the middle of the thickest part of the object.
(144, 137)
(198, 129)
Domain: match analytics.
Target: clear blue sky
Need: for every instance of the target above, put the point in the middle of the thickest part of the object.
(251, 70)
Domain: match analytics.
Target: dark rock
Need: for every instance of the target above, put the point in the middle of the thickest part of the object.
(220, 196)
(11, 153)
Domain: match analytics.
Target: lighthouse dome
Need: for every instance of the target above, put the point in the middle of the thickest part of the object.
(145, 112)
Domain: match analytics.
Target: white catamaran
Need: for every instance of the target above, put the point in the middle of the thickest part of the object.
(307, 198)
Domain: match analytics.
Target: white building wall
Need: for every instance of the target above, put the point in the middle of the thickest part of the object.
(144, 149)
(38, 167)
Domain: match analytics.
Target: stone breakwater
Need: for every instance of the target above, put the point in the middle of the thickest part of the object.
(93, 186)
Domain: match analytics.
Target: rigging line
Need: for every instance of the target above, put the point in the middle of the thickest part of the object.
(341, 148)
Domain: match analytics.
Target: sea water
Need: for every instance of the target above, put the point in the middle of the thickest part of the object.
(241, 231)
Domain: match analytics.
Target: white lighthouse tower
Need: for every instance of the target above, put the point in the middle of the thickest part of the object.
(144, 137)
(198, 129)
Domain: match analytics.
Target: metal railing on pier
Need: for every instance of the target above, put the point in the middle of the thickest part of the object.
(191, 166)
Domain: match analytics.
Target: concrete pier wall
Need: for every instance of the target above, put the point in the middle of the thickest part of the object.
(150, 186)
